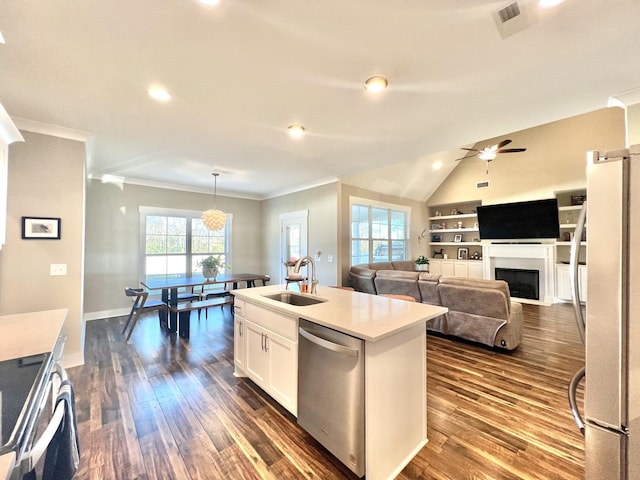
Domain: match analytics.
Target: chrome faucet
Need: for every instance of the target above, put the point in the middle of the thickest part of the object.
(314, 280)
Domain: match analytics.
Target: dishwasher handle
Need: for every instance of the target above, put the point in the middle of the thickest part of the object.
(334, 347)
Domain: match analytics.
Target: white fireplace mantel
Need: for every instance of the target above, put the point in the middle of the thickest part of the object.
(531, 256)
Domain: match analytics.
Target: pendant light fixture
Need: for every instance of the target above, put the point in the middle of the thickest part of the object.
(214, 219)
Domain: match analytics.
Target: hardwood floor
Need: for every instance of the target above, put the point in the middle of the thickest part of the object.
(163, 408)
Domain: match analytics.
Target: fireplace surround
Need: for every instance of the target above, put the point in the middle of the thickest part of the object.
(524, 256)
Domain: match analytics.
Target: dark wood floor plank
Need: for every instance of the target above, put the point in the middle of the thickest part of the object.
(160, 407)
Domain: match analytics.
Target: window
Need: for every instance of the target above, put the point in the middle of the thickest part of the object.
(379, 232)
(172, 242)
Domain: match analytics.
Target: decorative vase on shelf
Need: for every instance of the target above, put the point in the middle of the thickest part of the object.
(422, 267)
(210, 273)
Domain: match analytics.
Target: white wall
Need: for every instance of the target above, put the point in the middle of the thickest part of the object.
(46, 179)
(322, 204)
(112, 237)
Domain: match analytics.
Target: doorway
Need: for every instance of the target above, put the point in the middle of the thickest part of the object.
(293, 238)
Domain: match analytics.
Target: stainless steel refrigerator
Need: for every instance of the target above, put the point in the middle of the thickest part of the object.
(611, 326)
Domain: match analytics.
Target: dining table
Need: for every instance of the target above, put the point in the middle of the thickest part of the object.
(170, 286)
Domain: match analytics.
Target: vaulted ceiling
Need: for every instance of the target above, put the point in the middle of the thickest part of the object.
(240, 73)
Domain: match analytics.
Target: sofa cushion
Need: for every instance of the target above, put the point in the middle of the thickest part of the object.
(486, 298)
(428, 287)
(381, 266)
(406, 265)
(397, 282)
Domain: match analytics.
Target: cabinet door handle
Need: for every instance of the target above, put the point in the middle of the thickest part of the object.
(266, 342)
(262, 342)
(241, 329)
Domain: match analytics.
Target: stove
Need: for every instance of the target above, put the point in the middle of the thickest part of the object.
(22, 383)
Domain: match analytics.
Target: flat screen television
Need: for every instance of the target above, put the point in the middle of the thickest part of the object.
(519, 220)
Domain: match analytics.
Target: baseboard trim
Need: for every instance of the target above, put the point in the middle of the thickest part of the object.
(106, 314)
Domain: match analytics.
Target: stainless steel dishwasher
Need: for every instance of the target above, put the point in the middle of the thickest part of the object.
(331, 391)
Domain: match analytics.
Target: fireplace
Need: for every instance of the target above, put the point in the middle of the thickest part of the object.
(522, 283)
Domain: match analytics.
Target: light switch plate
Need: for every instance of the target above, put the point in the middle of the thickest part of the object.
(58, 269)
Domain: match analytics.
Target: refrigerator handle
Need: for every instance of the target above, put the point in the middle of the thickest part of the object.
(573, 270)
(573, 386)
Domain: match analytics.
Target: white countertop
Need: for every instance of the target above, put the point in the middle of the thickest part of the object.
(25, 334)
(365, 316)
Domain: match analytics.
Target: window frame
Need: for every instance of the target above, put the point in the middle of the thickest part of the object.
(390, 207)
(145, 211)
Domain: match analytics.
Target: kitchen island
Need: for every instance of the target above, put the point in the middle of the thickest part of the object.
(394, 335)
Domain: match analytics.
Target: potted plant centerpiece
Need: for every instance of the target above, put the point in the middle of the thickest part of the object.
(422, 263)
(210, 267)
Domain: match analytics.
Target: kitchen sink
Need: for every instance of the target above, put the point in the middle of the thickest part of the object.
(294, 299)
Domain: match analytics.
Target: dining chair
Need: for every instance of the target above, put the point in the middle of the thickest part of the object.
(140, 305)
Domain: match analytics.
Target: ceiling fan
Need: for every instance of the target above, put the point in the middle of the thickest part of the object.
(489, 153)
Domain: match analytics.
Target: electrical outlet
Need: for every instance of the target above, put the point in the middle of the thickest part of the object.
(58, 269)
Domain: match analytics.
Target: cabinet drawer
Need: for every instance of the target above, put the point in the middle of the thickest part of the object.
(277, 323)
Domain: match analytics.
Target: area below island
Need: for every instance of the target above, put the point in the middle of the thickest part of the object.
(350, 366)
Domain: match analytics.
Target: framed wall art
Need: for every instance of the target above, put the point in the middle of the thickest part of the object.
(40, 228)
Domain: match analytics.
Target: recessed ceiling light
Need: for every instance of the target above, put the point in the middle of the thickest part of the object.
(437, 165)
(296, 130)
(376, 84)
(208, 3)
(159, 93)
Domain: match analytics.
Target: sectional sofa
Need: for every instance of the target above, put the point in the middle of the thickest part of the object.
(479, 310)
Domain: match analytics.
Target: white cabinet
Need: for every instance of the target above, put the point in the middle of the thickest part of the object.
(563, 282)
(447, 268)
(461, 268)
(456, 268)
(475, 269)
(270, 352)
(239, 334)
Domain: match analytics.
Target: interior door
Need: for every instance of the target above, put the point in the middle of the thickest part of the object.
(293, 238)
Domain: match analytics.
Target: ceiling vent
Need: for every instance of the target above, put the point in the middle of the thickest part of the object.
(511, 18)
(484, 184)
(509, 12)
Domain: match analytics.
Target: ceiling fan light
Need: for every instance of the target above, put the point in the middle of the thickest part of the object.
(376, 83)
(487, 155)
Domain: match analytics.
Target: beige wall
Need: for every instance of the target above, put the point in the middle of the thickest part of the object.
(46, 179)
(633, 124)
(418, 223)
(322, 205)
(554, 161)
(112, 238)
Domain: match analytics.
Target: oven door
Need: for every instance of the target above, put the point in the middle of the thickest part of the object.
(43, 420)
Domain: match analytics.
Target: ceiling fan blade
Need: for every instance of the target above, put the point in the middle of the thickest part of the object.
(503, 143)
(470, 149)
(465, 157)
(511, 150)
